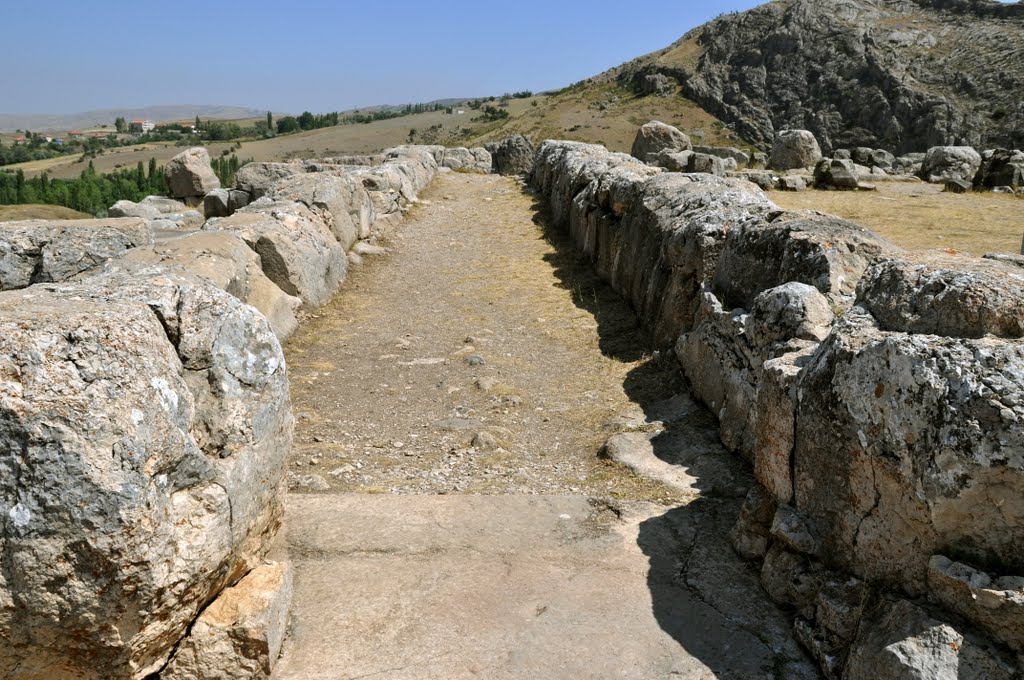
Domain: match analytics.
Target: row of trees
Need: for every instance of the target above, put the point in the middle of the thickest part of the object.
(90, 193)
(226, 167)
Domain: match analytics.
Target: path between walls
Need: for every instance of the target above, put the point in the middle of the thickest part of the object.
(450, 516)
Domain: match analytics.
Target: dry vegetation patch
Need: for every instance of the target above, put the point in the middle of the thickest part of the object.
(921, 216)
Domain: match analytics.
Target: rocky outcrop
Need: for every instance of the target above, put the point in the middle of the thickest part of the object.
(656, 137)
(190, 175)
(901, 75)
(38, 251)
(877, 394)
(1000, 168)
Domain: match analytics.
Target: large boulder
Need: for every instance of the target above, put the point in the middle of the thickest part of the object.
(189, 174)
(462, 159)
(257, 178)
(911, 445)
(37, 251)
(940, 294)
(794, 149)
(513, 156)
(297, 250)
(223, 259)
(820, 250)
(655, 137)
(950, 162)
(339, 198)
(144, 427)
(836, 174)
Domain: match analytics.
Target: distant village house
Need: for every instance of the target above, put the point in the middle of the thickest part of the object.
(141, 126)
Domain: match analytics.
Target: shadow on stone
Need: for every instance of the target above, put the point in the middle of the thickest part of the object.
(702, 594)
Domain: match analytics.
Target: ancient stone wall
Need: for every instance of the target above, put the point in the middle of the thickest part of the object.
(878, 394)
(145, 419)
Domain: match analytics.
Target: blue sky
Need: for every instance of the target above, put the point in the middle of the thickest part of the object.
(323, 56)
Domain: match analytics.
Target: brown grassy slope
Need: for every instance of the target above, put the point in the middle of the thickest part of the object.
(600, 111)
(11, 213)
(921, 216)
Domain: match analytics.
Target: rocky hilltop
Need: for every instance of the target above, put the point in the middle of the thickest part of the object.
(904, 75)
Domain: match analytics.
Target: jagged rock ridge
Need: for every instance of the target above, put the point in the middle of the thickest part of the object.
(903, 75)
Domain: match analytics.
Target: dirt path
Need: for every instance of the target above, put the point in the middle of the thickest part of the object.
(470, 330)
(450, 514)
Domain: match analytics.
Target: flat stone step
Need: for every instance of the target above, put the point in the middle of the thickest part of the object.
(415, 587)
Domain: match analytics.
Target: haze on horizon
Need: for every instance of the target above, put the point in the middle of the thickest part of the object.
(326, 56)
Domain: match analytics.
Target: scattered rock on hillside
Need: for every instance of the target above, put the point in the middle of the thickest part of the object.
(655, 137)
(794, 149)
(657, 84)
(189, 174)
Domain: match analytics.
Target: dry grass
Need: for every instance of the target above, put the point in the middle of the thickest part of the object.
(11, 213)
(600, 112)
(685, 55)
(921, 216)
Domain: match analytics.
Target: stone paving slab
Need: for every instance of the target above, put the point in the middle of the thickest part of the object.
(418, 587)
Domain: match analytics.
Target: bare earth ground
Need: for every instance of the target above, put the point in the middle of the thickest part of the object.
(450, 516)
(917, 215)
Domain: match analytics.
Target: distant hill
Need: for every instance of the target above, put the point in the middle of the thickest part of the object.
(897, 74)
(88, 119)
